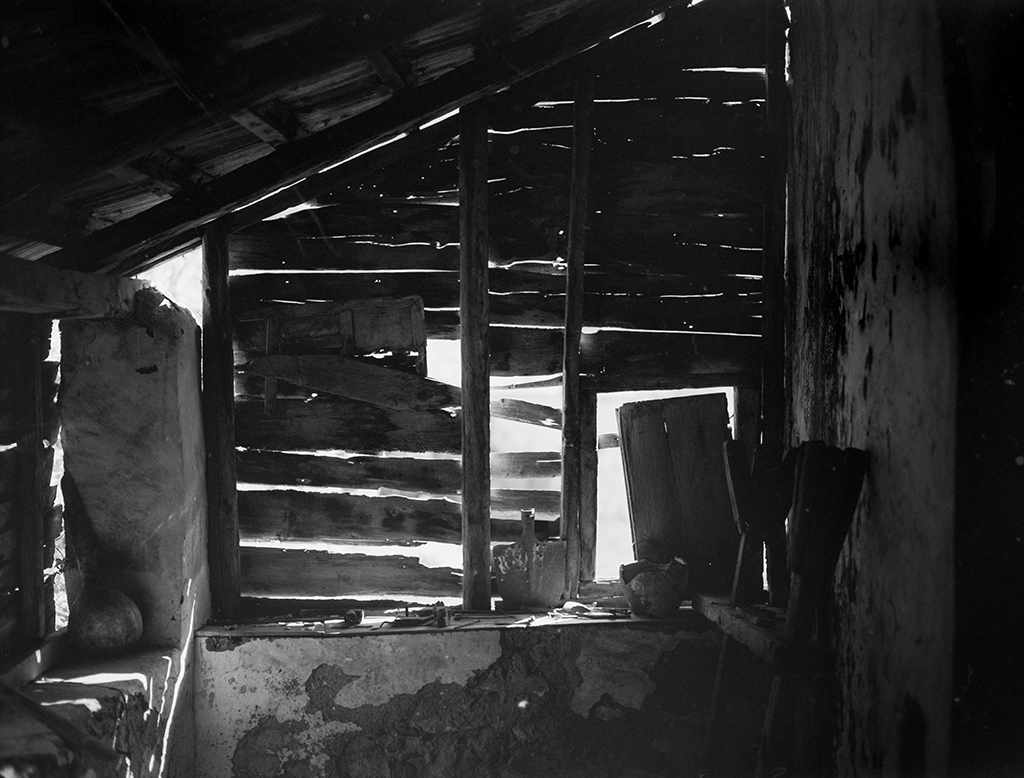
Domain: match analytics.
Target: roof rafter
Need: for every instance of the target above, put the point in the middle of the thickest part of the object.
(178, 219)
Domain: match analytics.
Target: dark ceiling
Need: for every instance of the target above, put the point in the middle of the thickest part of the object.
(127, 127)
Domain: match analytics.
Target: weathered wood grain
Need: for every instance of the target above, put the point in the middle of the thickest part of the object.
(717, 314)
(392, 389)
(440, 289)
(328, 423)
(219, 426)
(294, 573)
(337, 518)
(411, 474)
(436, 476)
(32, 287)
(474, 282)
(624, 356)
(352, 327)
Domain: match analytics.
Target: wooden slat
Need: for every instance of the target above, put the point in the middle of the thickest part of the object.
(588, 484)
(473, 310)
(526, 464)
(255, 249)
(684, 126)
(219, 425)
(326, 423)
(270, 249)
(720, 314)
(697, 427)
(440, 289)
(335, 518)
(292, 573)
(392, 389)
(431, 476)
(352, 327)
(435, 476)
(583, 105)
(655, 516)
(32, 287)
(623, 355)
(773, 394)
(357, 380)
(607, 248)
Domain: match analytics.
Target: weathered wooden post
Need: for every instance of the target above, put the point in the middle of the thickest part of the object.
(571, 413)
(473, 314)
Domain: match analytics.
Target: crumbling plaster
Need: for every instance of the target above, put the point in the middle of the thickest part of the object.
(872, 341)
(594, 700)
(133, 443)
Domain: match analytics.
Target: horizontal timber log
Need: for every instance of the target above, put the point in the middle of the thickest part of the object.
(393, 389)
(439, 289)
(253, 250)
(338, 518)
(517, 351)
(32, 287)
(725, 314)
(330, 423)
(436, 476)
(294, 573)
(674, 126)
(526, 464)
(432, 476)
(356, 380)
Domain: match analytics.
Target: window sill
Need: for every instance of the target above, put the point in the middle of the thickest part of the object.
(686, 616)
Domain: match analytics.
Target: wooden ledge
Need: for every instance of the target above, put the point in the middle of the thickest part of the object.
(766, 642)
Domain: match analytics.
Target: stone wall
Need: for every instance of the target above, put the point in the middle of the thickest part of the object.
(589, 700)
(872, 345)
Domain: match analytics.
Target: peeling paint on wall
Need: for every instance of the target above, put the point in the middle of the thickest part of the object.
(572, 700)
(871, 255)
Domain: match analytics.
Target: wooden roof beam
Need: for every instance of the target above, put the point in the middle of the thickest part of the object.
(31, 287)
(163, 225)
(387, 69)
(168, 168)
(273, 122)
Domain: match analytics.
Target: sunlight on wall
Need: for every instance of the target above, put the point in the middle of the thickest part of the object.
(181, 280)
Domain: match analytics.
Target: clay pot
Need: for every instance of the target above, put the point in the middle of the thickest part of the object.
(653, 589)
(104, 621)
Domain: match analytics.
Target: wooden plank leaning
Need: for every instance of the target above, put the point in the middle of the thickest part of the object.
(826, 490)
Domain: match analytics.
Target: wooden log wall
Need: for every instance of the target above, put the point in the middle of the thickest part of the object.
(356, 446)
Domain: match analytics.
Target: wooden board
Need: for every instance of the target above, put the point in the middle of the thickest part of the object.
(267, 249)
(440, 289)
(628, 355)
(727, 313)
(352, 327)
(697, 428)
(396, 390)
(526, 464)
(606, 249)
(294, 573)
(324, 424)
(655, 515)
(431, 476)
(356, 380)
(317, 516)
(676, 484)
(434, 476)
